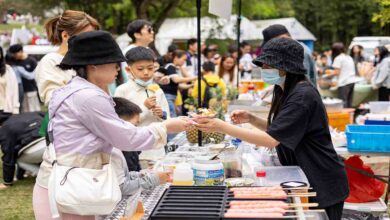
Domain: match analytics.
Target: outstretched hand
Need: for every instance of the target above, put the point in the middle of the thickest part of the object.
(209, 124)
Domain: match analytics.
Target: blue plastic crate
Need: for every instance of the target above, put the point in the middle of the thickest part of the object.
(375, 122)
(368, 138)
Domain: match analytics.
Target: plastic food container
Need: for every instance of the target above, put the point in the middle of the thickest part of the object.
(379, 107)
(182, 175)
(339, 120)
(208, 172)
(333, 105)
(368, 138)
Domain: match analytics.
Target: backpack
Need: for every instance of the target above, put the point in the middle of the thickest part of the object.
(207, 93)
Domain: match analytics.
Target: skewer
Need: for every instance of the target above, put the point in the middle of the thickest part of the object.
(306, 205)
(309, 210)
(286, 217)
(312, 194)
(298, 188)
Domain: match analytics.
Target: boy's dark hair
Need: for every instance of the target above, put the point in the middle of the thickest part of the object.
(208, 67)
(244, 44)
(172, 48)
(136, 27)
(191, 42)
(15, 48)
(138, 54)
(126, 108)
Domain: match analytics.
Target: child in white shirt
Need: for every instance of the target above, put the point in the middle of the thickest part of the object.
(141, 90)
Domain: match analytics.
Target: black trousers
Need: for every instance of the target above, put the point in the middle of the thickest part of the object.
(384, 94)
(345, 93)
(10, 155)
(335, 212)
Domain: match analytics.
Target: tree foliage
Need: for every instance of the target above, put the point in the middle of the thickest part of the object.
(383, 16)
(328, 20)
(337, 20)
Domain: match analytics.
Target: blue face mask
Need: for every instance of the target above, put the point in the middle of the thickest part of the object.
(143, 83)
(271, 76)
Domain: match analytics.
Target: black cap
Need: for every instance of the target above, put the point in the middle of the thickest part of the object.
(92, 48)
(273, 31)
(283, 54)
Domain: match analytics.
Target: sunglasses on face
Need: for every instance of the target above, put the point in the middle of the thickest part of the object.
(150, 29)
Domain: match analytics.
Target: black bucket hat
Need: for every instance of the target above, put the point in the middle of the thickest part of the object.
(92, 48)
(283, 54)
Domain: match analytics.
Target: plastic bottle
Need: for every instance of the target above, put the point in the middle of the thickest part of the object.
(261, 178)
(183, 175)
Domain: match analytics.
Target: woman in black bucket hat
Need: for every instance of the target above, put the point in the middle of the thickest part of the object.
(297, 125)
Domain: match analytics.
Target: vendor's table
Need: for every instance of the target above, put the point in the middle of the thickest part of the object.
(378, 206)
(150, 198)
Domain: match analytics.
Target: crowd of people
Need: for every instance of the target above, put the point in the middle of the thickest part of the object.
(87, 128)
(338, 70)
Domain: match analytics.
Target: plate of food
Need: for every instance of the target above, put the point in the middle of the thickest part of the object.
(203, 113)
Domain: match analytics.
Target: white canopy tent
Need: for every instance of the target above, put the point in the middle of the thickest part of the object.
(216, 28)
(185, 28)
(296, 29)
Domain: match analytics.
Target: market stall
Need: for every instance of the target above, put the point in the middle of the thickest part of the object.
(369, 139)
(228, 194)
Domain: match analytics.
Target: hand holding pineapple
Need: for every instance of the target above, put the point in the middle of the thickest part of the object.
(209, 124)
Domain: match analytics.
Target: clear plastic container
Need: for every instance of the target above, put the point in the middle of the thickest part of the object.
(279, 174)
(261, 176)
(379, 107)
(183, 175)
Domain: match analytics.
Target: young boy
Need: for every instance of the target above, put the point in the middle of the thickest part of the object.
(209, 79)
(141, 90)
(131, 182)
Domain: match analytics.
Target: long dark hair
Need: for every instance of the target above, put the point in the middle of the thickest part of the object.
(2, 62)
(383, 53)
(222, 69)
(359, 55)
(280, 95)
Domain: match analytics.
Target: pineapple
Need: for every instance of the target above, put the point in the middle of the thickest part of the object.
(216, 104)
(192, 135)
(215, 137)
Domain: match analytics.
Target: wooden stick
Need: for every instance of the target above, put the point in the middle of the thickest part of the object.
(303, 205)
(309, 210)
(297, 188)
(296, 216)
(312, 194)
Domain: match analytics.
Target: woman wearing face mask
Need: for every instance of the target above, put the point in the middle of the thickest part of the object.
(297, 125)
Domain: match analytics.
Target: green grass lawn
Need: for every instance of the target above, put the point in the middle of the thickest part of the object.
(9, 27)
(16, 201)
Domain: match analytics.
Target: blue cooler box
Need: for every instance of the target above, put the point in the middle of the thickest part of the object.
(368, 138)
